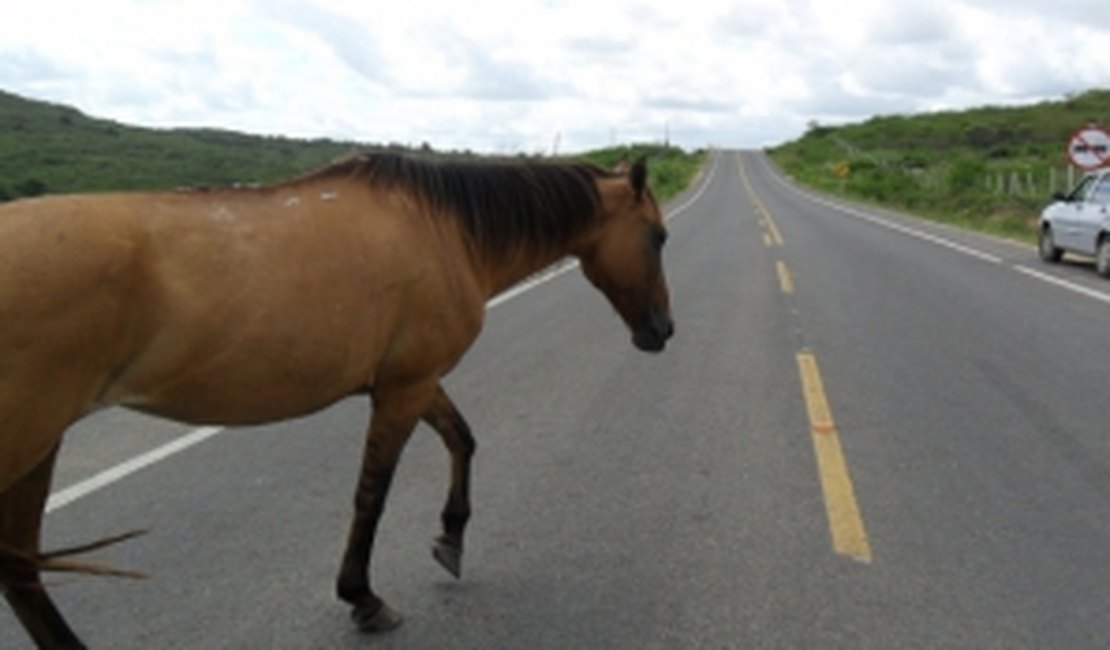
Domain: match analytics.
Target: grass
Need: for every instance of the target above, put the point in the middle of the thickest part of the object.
(949, 166)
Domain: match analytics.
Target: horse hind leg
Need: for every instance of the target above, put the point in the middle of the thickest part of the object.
(396, 411)
(21, 513)
(455, 433)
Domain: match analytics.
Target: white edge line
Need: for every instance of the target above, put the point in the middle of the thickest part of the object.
(64, 497)
(1063, 284)
(81, 489)
(920, 234)
(906, 230)
(1025, 270)
(518, 289)
(897, 227)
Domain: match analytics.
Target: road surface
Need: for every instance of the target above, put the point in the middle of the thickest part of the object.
(868, 432)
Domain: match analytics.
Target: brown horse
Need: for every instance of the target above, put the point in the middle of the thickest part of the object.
(248, 305)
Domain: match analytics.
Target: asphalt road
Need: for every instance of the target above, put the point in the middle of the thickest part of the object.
(868, 432)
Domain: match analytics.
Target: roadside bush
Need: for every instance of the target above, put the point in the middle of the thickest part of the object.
(965, 175)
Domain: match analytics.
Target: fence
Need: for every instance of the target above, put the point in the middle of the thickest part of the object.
(1040, 183)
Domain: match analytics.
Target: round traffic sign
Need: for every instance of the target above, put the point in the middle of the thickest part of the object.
(1089, 147)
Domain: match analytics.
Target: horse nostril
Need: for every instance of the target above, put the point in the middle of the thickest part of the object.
(662, 323)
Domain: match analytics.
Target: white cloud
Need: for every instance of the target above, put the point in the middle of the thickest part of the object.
(503, 77)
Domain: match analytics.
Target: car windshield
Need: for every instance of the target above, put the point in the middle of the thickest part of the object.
(1081, 190)
(1101, 193)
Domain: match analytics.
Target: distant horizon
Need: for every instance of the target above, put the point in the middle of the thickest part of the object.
(547, 77)
(417, 146)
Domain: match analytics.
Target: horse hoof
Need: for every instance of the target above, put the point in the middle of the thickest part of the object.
(383, 619)
(449, 556)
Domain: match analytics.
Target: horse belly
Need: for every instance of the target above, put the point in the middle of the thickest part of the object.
(223, 403)
(245, 376)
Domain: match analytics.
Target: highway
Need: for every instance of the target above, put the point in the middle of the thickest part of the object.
(868, 432)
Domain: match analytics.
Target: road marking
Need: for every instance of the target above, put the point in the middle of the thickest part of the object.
(1063, 284)
(1074, 287)
(697, 195)
(914, 232)
(897, 227)
(849, 537)
(767, 220)
(61, 498)
(776, 235)
(767, 240)
(786, 283)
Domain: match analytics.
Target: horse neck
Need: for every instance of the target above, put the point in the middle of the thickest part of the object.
(504, 271)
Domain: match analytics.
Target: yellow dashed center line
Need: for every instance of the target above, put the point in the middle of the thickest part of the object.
(765, 216)
(776, 236)
(849, 537)
(785, 281)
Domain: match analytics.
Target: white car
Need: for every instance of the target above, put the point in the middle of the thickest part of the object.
(1079, 222)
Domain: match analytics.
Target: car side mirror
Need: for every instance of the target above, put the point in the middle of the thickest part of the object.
(1059, 196)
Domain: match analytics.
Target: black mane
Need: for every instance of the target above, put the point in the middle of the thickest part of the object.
(503, 205)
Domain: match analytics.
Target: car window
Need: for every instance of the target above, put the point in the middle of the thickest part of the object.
(1082, 189)
(1101, 193)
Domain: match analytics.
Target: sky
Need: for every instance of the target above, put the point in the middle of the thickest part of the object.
(546, 76)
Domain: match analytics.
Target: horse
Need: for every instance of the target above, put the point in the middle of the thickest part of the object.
(250, 304)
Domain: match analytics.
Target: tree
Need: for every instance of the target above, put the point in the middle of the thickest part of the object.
(31, 187)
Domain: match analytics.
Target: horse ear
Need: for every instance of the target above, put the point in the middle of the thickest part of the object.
(621, 166)
(638, 175)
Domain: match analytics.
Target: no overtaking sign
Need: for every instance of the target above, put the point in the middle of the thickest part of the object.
(1089, 147)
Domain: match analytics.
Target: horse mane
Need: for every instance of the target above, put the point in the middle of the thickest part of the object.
(503, 205)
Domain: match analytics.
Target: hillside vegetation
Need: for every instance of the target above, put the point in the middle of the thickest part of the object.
(49, 148)
(988, 168)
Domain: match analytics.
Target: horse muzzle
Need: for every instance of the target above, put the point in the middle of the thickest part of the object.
(653, 332)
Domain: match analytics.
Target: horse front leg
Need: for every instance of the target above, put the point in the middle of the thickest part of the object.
(395, 413)
(455, 432)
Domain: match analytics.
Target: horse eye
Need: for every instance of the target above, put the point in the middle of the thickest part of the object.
(658, 238)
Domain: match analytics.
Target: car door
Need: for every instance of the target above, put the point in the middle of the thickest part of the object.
(1068, 217)
(1095, 213)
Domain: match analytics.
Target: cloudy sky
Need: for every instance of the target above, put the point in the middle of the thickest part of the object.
(505, 76)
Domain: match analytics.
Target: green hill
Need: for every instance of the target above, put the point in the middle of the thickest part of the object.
(990, 168)
(53, 148)
(50, 148)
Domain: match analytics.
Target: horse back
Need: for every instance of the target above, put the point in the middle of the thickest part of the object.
(238, 306)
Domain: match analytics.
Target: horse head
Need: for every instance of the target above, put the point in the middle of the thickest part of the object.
(623, 256)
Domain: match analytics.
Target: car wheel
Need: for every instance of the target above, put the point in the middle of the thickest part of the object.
(1047, 246)
(1102, 258)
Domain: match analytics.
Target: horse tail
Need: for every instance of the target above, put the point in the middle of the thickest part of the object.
(59, 560)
